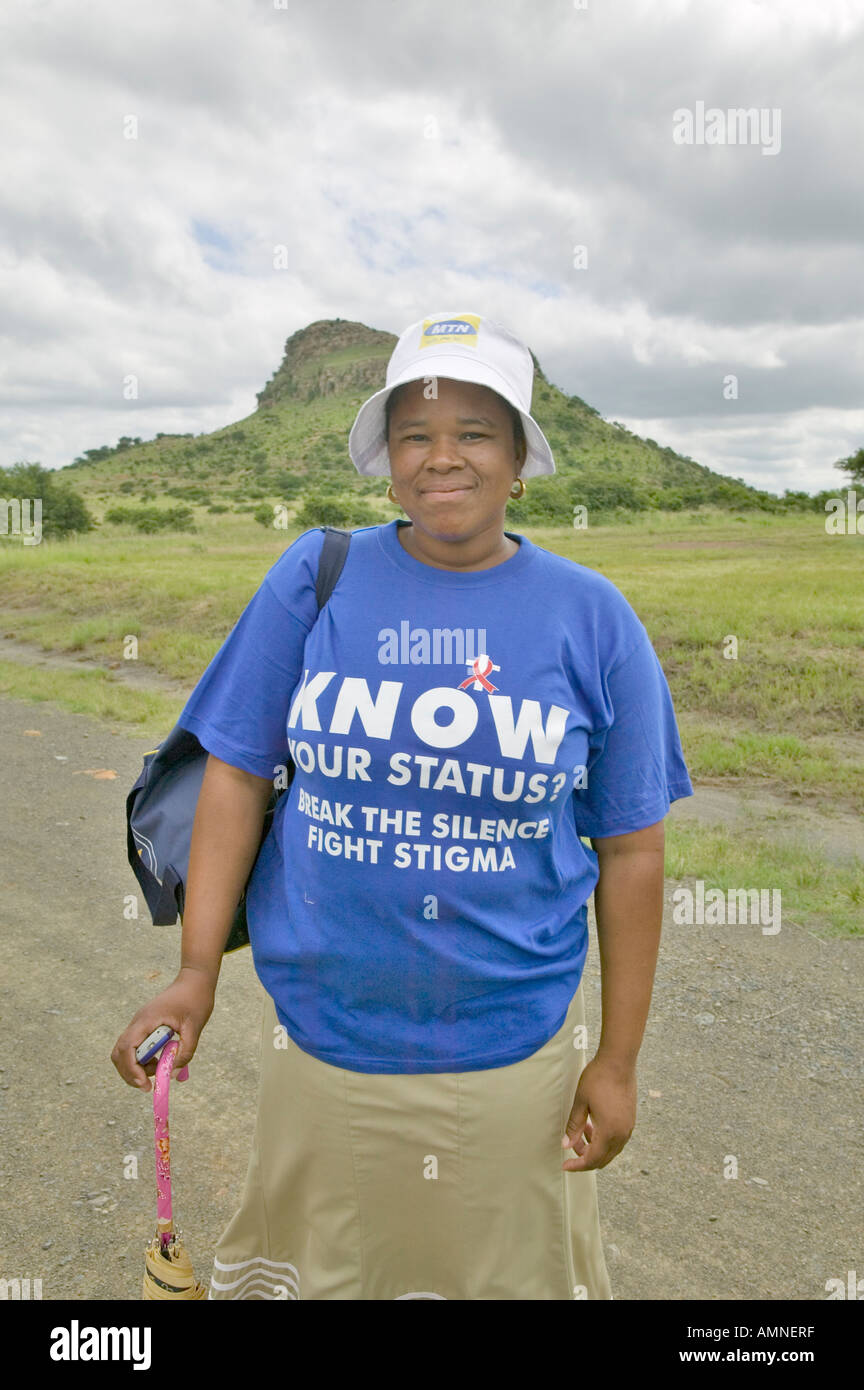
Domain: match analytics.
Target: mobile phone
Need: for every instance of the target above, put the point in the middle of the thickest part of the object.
(154, 1043)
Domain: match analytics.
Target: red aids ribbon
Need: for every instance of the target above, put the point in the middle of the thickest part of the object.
(478, 676)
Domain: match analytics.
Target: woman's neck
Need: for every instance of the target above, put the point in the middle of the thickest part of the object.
(483, 551)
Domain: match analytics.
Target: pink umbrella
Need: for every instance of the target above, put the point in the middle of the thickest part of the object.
(168, 1272)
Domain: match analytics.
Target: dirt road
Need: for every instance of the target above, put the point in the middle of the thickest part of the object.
(752, 1054)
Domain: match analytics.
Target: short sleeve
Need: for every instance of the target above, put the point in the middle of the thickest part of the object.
(239, 709)
(636, 767)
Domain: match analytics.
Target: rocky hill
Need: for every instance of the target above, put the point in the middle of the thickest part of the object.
(295, 443)
(329, 358)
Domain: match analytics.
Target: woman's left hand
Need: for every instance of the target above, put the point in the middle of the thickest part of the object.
(603, 1114)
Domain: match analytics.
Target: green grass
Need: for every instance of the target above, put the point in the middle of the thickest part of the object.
(91, 692)
(179, 595)
(788, 708)
(787, 715)
(788, 592)
(818, 770)
(817, 892)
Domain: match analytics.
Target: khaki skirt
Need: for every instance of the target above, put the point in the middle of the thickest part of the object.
(442, 1185)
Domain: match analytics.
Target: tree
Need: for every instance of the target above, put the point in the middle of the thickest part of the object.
(63, 510)
(854, 466)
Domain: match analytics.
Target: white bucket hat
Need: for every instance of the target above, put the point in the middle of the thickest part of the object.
(466, 347)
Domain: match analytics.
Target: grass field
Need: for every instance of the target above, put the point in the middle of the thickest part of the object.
(784, 715)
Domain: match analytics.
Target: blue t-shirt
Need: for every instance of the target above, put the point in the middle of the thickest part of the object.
(420, 902)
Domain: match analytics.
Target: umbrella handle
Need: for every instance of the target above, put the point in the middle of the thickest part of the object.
(164, 1222)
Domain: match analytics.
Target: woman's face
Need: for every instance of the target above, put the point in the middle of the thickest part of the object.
(452, 459)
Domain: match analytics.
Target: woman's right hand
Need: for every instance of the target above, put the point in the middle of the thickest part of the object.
(185, 1006)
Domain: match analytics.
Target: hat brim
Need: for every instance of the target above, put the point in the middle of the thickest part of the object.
(367, 443)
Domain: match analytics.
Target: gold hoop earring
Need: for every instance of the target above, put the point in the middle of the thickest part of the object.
(390, 493)
(521, 492)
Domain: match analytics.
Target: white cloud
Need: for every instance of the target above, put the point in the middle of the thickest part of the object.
(417, 157)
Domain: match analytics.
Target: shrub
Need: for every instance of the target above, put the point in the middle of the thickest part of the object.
(550, 502)
(284, 483)
(152, 519)
(334, 509)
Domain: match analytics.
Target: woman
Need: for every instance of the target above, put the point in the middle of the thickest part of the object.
(465, 707)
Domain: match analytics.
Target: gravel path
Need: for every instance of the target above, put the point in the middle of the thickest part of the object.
(752, 1051)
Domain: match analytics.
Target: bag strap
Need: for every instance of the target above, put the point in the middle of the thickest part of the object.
(333, 555)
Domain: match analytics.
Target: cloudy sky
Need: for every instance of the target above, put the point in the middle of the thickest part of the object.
(186, 184)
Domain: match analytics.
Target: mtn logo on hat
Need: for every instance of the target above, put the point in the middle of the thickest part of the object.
(457, 330)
